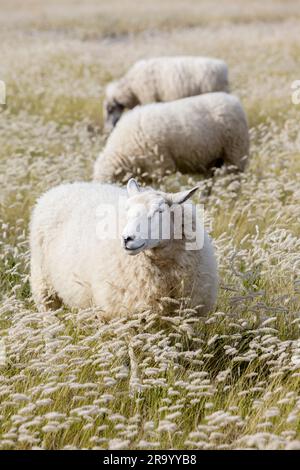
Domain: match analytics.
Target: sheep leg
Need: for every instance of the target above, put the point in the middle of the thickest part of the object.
(237, 154)
(44, 297)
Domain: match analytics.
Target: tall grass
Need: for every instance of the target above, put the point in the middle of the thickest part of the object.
(158, 379)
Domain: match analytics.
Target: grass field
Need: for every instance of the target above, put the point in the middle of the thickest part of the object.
(160, 379)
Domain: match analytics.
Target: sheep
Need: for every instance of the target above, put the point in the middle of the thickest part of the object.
(190, 135)
(77, 258)
(162, 79)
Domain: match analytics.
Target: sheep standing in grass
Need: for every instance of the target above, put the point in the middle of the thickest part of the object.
(77, 257)
(190, 135)
(163, 79)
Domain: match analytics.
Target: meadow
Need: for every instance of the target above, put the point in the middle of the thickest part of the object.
(158, 379)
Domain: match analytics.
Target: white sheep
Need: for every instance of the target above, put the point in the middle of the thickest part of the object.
(190, 135)
(77, 257)
(162, 79)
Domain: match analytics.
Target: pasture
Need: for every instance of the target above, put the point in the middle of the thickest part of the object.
(159, 379)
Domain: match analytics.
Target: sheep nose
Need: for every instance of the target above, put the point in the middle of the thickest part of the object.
(128, 239)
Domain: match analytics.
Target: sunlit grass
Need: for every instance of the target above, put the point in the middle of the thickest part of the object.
(227, 381)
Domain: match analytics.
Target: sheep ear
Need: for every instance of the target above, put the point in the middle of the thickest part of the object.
(132, 187)
(179, 198)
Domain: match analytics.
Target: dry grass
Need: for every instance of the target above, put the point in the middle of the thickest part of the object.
(161, 379)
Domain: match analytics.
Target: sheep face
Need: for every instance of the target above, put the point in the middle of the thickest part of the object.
(154, 218)
(112, 111)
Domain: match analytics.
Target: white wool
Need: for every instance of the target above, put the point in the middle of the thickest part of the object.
(166, 79)
(69, 263)
(190, 135)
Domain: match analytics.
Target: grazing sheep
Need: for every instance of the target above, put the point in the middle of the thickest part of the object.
(190, 135)
(77, 257)
(163, 79)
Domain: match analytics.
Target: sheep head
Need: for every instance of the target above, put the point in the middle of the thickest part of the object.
(112, 111)
(154, 218)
